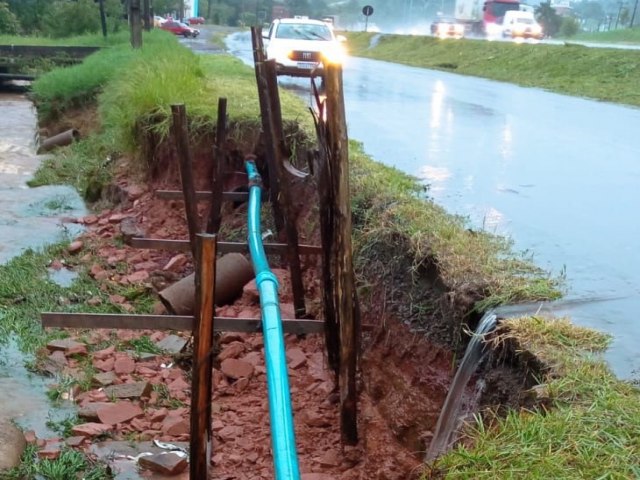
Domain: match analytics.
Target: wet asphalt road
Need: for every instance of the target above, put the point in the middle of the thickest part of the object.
(557, 174)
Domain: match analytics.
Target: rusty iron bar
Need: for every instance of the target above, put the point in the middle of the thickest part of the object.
(202, 195)
(219, 159)
(180, 137)
(223, 247)
(201, 374)
(172, 322)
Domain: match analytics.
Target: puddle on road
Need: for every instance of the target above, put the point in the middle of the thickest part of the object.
(29, 218)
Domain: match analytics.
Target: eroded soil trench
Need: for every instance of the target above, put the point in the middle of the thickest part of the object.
(407, 361)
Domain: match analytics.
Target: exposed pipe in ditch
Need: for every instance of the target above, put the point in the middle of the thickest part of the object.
(60, 140)
(285, 457)
(233, 271)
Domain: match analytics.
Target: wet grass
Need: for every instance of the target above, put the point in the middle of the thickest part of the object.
(135, 100)
(26, 291)
(89, 40)
(80, 84)
(70, 464)
(629, 36)
(590, 430)
(600, 73)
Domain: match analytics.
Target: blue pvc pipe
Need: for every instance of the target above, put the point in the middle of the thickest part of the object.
(285, 457)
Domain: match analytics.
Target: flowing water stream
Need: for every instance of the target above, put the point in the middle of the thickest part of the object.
(29, 218)
(473, 356)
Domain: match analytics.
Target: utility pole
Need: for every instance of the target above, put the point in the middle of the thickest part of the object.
(618, 16)
(146, 15)
(135, 23)
(103, 19)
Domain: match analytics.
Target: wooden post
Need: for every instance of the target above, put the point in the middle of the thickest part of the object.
(135, 23)
(201, 376)
(285, 198)
(331, 325)
(267, 134)
(276, 109)
(345, 295)
(219, 158)
(180, 137)
(146, 15)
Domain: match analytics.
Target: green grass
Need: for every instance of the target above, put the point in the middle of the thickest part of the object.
(599, 73)
(592, 430)
(622, 35)
(71, 464)
(79, 84)
(25, 292)
(89, 40)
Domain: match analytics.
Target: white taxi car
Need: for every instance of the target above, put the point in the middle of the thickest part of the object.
(301, 46)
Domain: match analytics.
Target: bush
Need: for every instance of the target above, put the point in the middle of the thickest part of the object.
(9, 23)
(65, 19)
(569, 27)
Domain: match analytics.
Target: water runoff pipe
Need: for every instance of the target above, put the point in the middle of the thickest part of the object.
(285, 457)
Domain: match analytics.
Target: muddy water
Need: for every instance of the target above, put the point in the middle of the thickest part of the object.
(29, 218)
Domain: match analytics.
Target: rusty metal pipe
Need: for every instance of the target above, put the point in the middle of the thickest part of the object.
(60, 140)
(233, 271)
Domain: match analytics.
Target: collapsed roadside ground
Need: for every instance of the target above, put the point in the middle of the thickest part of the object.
(423, 276)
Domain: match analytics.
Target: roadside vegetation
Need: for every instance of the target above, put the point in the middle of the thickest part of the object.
(132, 92)
(588, 428)
(606, 74)
(624, 35)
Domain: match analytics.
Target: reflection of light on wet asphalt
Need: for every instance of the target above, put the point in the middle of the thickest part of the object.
(493, 220)
(436, 177)
(436, 104)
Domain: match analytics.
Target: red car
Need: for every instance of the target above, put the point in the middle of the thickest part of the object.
(180, 29)
(196, 21)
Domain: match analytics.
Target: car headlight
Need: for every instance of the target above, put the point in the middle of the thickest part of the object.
(336, 54)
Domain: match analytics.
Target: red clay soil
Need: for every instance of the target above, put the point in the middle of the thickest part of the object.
(402, 384)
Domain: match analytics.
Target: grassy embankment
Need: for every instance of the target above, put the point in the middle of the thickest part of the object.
(385, 201)
(589, 430)
(629, 36)
(607, 74)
